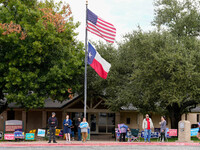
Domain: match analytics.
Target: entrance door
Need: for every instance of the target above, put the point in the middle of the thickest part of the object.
(93, 123)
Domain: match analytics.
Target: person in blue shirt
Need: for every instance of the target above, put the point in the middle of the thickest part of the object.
(67, 123)
(79, 129)
(123, 130)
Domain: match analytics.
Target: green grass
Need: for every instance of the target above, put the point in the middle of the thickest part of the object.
(173, 139)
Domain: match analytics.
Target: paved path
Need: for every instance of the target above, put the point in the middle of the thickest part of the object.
(100, 145)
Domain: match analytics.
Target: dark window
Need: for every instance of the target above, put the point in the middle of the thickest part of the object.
(10, 115)
(197, 117)
(185, 116)
(128, 120)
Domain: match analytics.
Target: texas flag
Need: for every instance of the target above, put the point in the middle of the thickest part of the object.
(100, 65)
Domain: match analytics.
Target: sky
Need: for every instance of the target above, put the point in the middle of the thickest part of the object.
(125, 15)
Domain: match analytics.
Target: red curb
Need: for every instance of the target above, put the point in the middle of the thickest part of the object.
(99, 144)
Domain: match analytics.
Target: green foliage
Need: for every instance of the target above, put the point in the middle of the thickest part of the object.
(46, 63)
(165, 71)
(182, 18)
(96, 85)
(160, 71)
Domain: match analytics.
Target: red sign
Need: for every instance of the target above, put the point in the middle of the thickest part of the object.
(172, 132)
(9, 137)
(12, 127)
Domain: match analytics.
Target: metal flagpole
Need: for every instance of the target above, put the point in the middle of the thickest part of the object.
(85, 84)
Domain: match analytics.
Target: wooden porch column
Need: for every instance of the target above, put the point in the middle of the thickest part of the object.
(44, 119)
(117, 119)
(63, 117)
(3, 118)
(24, 119)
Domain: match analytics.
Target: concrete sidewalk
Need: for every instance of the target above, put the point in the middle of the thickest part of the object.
(89, 143)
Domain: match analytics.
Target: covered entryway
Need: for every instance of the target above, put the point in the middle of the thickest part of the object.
(100, 119)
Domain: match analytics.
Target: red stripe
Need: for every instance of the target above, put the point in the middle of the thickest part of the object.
(99, 25)
(105, 22)
(100, 36)
(94, 143)
(101, 31)
(105, 25)
(99, 69)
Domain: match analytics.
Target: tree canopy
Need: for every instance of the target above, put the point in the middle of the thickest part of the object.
(159, 71)
(40, 56)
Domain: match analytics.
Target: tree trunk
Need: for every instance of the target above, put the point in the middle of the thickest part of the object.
(3, 103)
(174, 115)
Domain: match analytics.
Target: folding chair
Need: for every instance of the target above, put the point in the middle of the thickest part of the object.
(135, 135)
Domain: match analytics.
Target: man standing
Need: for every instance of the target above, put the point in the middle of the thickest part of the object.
(147, 125)
(53, 123)
(79, 129)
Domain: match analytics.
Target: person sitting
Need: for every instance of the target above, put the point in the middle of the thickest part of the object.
(129, 135)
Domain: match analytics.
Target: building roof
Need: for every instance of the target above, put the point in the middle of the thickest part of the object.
(129, 108)
(196, 110)
(49, 103)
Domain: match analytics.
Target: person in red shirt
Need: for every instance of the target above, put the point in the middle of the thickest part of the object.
(147, 125)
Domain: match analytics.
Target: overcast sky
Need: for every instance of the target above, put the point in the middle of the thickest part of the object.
(125, 15)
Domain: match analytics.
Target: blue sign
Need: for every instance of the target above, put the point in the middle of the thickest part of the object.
(18, 135)
(30, 136)
(153, 134)
(194, 131)
(83, 125)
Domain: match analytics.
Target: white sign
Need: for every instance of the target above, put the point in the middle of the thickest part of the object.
(182, 125)
(13, 122)
(41, 133)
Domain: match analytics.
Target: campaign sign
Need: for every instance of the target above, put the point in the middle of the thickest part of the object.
(12, 125)
(153, 134)
(41, 133)
(30, 136)
(172, 132)
(19, 135)
(9, 137)
(83, 125)
(194, 131)
(57, 132)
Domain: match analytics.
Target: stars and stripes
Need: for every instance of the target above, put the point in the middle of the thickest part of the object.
(101, 28)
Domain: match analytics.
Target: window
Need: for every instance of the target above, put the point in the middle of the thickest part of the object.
(185, 116)
(197, 117)
(106, 122)
(10, 115)
(128, 120)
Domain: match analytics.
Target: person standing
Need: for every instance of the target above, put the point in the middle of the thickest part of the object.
(147, 125)
(67, 123)
(123, 130)
(162, 128)
(84, 129)
(79, 129)
(53, 123)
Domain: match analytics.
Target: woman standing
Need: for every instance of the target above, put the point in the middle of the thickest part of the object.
(67, 128)
(84, 129)
(162, 129)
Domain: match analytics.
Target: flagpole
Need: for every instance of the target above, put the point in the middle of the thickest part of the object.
(85, 84)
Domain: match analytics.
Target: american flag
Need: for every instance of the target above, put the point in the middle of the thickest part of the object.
(101, 28)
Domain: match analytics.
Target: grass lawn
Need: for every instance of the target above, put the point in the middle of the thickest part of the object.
(173, 139)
